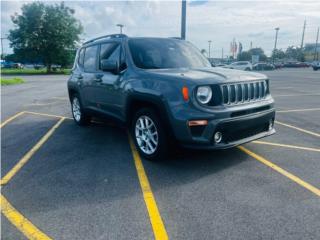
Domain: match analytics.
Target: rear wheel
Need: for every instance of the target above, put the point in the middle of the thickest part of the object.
(79, 116)
(148, 134)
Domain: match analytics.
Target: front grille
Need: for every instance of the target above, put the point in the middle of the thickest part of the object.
(237, 93)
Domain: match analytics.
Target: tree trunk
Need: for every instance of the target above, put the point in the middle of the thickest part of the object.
(48, 68)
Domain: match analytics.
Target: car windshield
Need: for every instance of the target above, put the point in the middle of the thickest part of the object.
(165, 53)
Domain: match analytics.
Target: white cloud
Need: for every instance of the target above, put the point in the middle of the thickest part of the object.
(220, 21)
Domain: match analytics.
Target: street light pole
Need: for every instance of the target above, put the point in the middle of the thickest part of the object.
(316, 54)
(183, 19)
(209, 48)
(2, 38)
(120, 26)
(275, 42)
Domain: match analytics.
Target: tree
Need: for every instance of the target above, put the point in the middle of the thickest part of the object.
(296, 53)
(247, 55)
(278, 54)
(45, 33)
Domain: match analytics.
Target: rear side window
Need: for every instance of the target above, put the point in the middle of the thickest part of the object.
(90, 59)
(81, 57)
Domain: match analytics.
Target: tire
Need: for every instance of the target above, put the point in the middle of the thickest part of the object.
(150, 141)
(247, 69)
(79, 116)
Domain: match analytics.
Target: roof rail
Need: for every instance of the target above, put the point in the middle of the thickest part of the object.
(106, 37)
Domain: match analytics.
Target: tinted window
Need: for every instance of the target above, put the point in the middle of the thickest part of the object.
(111, 51)
(166, 53)
(90, 58)
(81, 57)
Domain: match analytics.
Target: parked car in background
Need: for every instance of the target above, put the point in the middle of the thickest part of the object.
(316, 65)
(18, 65)
(278, 65)
(296, 65)
(263, 66)
(241, 65)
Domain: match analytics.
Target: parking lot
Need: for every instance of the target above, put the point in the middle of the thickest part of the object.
(62, 181)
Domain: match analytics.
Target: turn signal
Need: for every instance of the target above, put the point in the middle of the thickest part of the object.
(185, 93)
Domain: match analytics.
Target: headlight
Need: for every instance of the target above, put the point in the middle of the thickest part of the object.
(204, 94)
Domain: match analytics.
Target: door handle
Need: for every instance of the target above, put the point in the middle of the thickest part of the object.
(98, 77)
(80, 77)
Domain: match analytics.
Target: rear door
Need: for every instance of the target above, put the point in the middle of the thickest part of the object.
(89, 76)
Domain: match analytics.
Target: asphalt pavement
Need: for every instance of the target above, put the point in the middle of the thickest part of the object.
(71, 182)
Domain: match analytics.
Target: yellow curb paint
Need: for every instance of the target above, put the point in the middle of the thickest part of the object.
(29, 154)
(280, 170)
(20, 222)
(10, 119)
(287, 146)
(158, 227)
(297, 128)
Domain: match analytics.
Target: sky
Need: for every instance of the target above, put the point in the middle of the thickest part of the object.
(218, 21)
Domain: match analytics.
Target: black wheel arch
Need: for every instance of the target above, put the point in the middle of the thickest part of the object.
(138, 101)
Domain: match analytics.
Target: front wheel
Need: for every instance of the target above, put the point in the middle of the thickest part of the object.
(79, 116)
(149, 135)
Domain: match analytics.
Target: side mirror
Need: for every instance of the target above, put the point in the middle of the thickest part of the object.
(109, 66)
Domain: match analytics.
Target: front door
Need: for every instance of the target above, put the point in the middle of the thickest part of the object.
(108, 96)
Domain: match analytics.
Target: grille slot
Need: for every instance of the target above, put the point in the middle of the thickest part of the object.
(237, 93)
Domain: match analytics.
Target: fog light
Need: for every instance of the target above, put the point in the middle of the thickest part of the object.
(270, 125)
(217, 137)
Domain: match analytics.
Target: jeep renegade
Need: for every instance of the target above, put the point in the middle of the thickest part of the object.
(164, 89)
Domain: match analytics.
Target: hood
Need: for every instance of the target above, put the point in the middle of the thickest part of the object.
(209, 75)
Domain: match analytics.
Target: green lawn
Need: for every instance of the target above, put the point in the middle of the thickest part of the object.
(11, 81)
(32, 71)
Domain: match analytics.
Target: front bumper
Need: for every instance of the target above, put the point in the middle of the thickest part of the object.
(235, 131)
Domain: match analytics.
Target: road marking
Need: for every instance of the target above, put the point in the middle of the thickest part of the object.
(10, 119)
(61, 98)
(297, 128)
(281, 171)
(158, 227)
(29, 154)
(20, 222)
(48, 115)
(298, 110)
(287, 146)
(297, 95)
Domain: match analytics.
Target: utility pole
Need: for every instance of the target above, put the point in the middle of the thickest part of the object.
(275, 43)
(251, 45)
(209, 48)
(222, 54)
(2, 38)
(183, 19)
(120, 26)
(316, 54)
(302, 39)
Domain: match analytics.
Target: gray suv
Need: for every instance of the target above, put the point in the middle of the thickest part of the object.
(166, 92)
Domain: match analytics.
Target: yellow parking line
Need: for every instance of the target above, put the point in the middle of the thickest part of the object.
(21, 223)
(287, 146)
(29, 154)
(298, 110)
(47, 115)
(297, 128)
(158, 227)
(10, 119)
(281, 171)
